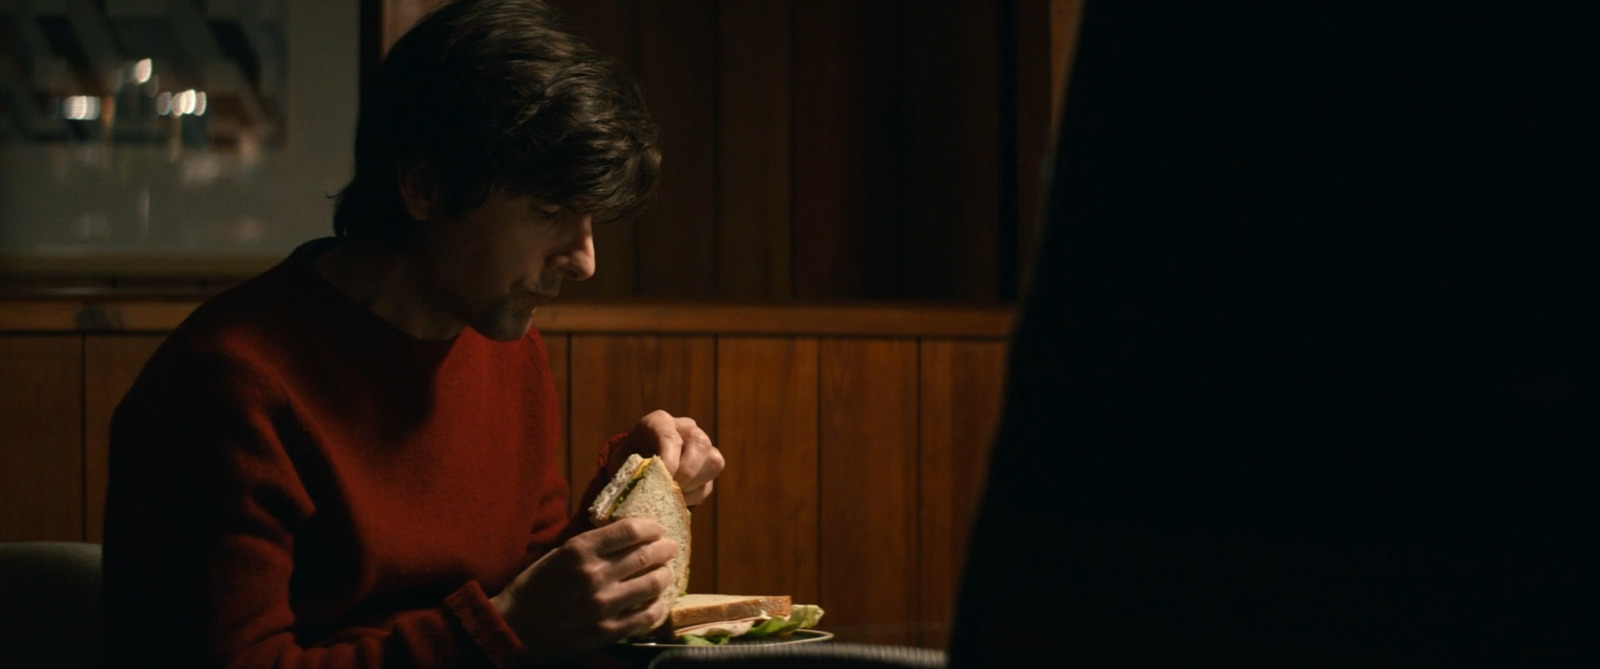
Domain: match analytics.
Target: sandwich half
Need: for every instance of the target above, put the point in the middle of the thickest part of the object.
(693, 610)
(643, 488)
(717, 619)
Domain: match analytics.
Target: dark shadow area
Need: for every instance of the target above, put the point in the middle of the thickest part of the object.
(1306, 372)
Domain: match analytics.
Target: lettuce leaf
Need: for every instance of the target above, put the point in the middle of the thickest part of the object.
(800, 616)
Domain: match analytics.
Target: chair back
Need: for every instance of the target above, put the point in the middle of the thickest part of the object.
(50, 605)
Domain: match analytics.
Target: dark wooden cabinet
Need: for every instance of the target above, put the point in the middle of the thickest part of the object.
(41, 437)
(57, 392)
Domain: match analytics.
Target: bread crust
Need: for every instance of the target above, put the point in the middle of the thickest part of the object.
(691, 610)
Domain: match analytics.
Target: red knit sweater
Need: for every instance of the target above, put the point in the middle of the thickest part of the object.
(296, 483)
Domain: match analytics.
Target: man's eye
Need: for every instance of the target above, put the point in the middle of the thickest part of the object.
(548, 214)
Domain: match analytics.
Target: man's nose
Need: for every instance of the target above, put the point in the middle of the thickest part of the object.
(576, 262)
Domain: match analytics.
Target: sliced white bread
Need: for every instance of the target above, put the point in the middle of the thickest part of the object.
(655, 496)
(698, 609)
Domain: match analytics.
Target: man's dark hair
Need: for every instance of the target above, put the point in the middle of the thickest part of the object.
(495, 95)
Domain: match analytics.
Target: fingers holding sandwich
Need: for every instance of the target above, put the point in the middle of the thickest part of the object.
(655, 434)
(683, 447)
(699, 463)
(633, 575)
(631, 549)
(598, 587)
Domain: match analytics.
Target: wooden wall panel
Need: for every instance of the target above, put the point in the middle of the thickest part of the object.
(400, 15)
(847, 216)
(829, 149)
(767, 498)
(110, 365)
(1046, 33)
(754, 254)
(869, 489)
(41, 438)
(962, 384)
(677, 55)
(1065, 17)
(950, 152)
(616, 381)
(611, 26)
(608, 25)
(1031, 122)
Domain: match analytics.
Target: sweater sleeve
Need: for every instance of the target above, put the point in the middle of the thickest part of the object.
(204, 501)
(580, 521)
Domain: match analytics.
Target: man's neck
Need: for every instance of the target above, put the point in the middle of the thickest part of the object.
(385, 282)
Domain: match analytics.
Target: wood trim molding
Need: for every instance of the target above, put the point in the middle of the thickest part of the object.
(92, 316)
(747, 319)
(978, 322)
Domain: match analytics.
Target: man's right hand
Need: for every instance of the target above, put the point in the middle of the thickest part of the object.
(598, 587)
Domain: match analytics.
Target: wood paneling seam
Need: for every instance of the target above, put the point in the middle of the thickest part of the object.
(83, 434)
(794, 160)
(917, 606)
(716, 406)
(822, 492)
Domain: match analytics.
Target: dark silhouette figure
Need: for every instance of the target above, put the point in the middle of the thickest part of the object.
(1305, 374)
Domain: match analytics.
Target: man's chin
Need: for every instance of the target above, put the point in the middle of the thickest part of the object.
(507, 327)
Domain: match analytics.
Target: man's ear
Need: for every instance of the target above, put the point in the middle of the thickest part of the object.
(417, 191)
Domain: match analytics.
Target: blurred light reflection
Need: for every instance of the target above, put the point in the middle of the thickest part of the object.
(80, 108)
(183, 103)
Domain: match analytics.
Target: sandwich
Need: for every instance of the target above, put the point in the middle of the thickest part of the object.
(706, 620)
(644, 488)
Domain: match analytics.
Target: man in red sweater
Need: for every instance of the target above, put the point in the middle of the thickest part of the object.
(350, 461)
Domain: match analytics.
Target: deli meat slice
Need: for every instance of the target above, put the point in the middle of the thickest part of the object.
(732, 627)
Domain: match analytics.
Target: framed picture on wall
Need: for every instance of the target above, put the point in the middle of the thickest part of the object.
(145, 137)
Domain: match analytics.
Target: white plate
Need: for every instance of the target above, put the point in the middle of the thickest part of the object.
(797, 636)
